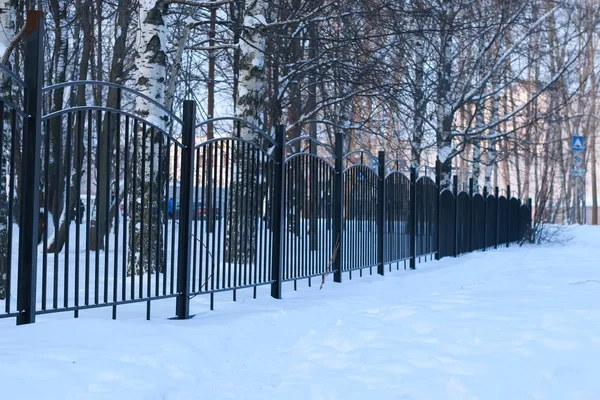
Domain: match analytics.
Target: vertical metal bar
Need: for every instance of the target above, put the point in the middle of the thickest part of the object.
(208, 213)
(88, 207)
(68, 210)
(412, 214)
(438, 230)
(98, 200)
(11, 190)
(143, 205)
(218, 224)
(508, 216)
(134, 205)
(176, 166)
(456, 236)
(30, 195)
(228, 176)
(125, 211)
(277, 224)
(338, 206)
(530, 217)
(108, 141)
(200, 199)
(117, 211)
(78, 158)
(150, 219)
(161, 220)
(46, 208)
(166, 157)
(485, 229)
(184, 250)
(471, 215)
(381, 215)
(497, 217)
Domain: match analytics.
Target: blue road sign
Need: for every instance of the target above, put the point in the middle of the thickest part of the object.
(361, 176)
(578, 143)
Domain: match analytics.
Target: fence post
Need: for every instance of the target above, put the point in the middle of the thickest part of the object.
(497, 217)
(381, 216)
(470, 215)
(338, 206)
(279, 220)
(485, 238)
(455, 190)
(508, 217)
(438, 183)
(30, 194)
(412, 225)
(184, 256)
(530, 220)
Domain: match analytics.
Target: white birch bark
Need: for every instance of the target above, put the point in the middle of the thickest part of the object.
(242, 229)
(151, 60)
(7, 31)
(251, 89)
(444, 109)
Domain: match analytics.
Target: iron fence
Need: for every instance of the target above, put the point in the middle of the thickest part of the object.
(112, 208)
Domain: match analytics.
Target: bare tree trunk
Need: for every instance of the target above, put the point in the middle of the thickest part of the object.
(98, 227)
(56, 243)
(418, 101)
(145, 191)
(445, 114)
(7, 31)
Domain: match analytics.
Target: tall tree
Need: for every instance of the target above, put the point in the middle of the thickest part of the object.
(151, 63)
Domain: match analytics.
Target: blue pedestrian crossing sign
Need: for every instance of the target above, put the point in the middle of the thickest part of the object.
(578, 143)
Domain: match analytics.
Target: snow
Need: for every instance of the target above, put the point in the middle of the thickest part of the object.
(516, 323)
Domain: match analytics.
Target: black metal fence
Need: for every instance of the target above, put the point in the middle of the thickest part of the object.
(114, 209)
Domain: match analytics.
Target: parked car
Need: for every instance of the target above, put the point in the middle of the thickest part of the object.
(203, 211)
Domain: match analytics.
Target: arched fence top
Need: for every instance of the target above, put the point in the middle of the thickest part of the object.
(136, 93)
(463, 186)
(315, 156)
(400, 164)
(361, 152)
(514, 194)
(82, 109)
(447, 184)
(463, 194)
(425, 177)
(396, 172)
(250, 125)
(479, 195)
(13, 106)
(360, 166)
(15, 77)
(426, 169)
(299, 139)
(235, 139)
(447, 190)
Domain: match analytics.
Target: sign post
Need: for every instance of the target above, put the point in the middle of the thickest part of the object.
(578, 147)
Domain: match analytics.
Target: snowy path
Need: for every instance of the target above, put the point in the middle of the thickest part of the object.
(518, 323)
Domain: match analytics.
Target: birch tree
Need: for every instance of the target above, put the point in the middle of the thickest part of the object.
(150, 62)
(250, 107)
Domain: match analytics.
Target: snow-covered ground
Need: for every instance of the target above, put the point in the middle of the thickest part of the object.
(518, 323)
